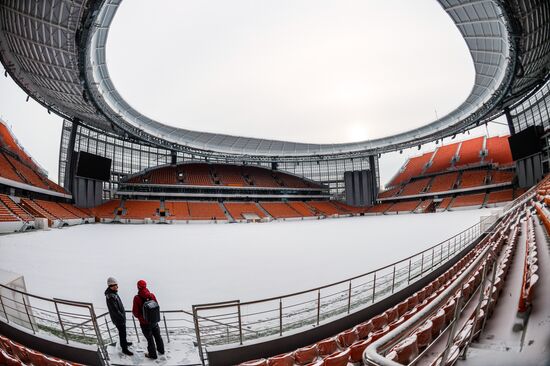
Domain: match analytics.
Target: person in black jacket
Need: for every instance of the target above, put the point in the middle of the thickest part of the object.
(117, 313)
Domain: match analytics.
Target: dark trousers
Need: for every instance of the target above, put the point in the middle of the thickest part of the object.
(122, 335)
(152, 334)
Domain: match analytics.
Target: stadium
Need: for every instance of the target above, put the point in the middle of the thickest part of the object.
(265, 251)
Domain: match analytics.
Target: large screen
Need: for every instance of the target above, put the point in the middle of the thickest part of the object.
(525, 143)
(93, 166)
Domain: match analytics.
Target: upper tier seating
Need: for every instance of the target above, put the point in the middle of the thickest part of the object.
(196, 174)
(468, 200)
(7, 170)
(137, 209)
(444, 182)
(206, 211)
(389, 193)
(470, 152)
(230, 175)
(413, 168)
(498, 151)
(443, 158)
(238, 210)
(415, 187)
(473, 178)
(27, 173)
(259, 177)
(500, 196)
(279, 210)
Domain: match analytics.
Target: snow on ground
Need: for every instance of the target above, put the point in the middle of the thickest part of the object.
(196, 263)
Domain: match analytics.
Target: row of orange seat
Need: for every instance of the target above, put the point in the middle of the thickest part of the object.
(204, 174)
(15, 354)
(530, 267)
(457, 155)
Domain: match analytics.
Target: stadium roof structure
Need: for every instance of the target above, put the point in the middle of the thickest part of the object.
(55, 50)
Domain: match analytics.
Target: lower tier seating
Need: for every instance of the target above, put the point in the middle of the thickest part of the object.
(15, 354)
(468, 200)
(243, 210)
(405, 206)
(136, 209)
(280, 210)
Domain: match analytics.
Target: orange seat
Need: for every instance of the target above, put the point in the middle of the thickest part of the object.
(391, 314)
(424, 334)
(305, 355)
(347, 338)
(327, 346)
(36, 358)
(407, 350)
(379, 333)
(281, 360)
(363, 330)
(438, 322)
(338, 359)
(379, 321)
(402, 308)
(9, 360)
(20, 352)
(356, 350)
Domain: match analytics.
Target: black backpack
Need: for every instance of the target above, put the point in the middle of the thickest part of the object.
(151, 311)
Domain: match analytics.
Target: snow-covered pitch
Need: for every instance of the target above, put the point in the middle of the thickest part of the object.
(191, 264)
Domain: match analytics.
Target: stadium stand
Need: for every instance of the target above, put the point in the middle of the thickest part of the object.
(6, 215)
(404, 206)
(497, 176)
(443, 158)
(56, 210)
(7, 171)
(244, 210)
(468, 200)
(415, 187)
(413, 168)
(36, 210)
(230, 175)
(196, 174)
(325, 208)
(389, 193)
(444, 204)
(259, 177)
(425, 206)
(206, 211)
(379, 208)
(498, 151)
(16, 209)
(300, 207)
(140, 210)
(108, 210)
(177, 210)
(500, 196)
(280, 210)
(473, 178)
(443, 182)
(530, 268)
(470, 152)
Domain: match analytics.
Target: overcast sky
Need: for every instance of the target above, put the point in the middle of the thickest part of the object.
(322, 71)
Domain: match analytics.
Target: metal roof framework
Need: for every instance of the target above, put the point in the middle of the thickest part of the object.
(55, 50)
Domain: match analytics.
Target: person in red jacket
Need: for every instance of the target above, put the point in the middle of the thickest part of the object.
(151, 332)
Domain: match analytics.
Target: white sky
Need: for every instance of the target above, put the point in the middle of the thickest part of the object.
(299, 70)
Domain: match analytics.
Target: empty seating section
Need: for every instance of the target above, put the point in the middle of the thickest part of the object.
(230, 175)
(413, 168)
(196, 174)
(473, 178)
(177, 210)
(239, 210)
(107, 210)
(82, 213)
(444, 182)
(326, 208)
(28, 174)
(279, 210)
(404, 206)
(424, 205)
(206, 211)
(379, 208)
(6, 215)
(348, 346)
(36, 210)
(444, 204)
(501, 176)
(16, 209)
(7, 171)
(349, 209)
(498, 151)
(303, 209)
(468, 200)
(56, 210)
(15, 354)
(135, 209)
(165, 175)
(291, 181)
(470, 152)
(500, 196)
(389, 193)
(415, 187)
(443, 158)
(259, 177)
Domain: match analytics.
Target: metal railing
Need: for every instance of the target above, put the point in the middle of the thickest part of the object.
(236, 322)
